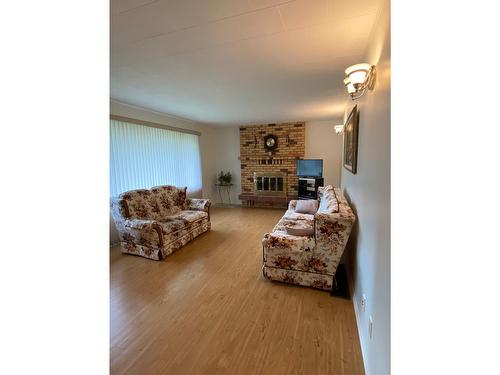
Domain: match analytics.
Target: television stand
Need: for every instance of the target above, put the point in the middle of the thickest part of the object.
(308, 187)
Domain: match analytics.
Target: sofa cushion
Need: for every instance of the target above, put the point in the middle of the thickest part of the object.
(141, 204)
(309, 206)
(176, 226)
(322, 189)
(171, 225)
(328, 202)
(190, 216)
(180, 198)
(280, 226)
(175, 222)
(171, 200)
(292, 215)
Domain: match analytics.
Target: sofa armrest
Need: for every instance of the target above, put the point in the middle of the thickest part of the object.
(332, 232)
(198, 204)
(144, 232)
(292, 204)
(118, 210)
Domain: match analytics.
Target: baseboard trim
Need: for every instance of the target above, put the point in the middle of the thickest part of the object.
(350, 284)
(227, 205)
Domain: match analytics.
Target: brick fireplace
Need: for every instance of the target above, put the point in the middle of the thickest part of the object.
(269, 169)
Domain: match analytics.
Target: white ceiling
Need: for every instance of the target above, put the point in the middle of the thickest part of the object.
(230, 62)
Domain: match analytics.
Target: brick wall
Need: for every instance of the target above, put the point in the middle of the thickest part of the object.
(254, 157)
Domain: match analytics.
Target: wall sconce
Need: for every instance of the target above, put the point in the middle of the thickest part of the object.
(360, 77)
(339, 129)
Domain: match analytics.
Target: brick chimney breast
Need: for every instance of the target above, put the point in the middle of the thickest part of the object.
(291, 146)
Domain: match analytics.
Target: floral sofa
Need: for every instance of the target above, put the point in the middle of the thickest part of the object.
(309, 260)
(154, 223)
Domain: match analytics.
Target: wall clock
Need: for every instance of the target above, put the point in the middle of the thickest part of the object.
(270, 142)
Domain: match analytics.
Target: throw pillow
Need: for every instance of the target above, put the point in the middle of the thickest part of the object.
(307, 206)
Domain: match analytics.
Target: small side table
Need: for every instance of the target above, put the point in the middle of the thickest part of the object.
(224, 187)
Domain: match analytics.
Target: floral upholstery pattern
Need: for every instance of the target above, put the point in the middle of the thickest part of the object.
(141, 204)
(309, 260)
(184, 237)
(171, 200)
(322, 190)
(314, 280)
(289, 218)
(292, 205)
(299, 260)
(189, 216)
(328, 201)
(143, 232)
(198, 204)
(298, 224)
(177, 226)
(154, 223)
(290, 215)
(277, 241)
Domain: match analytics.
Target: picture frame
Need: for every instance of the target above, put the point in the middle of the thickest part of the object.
(350, 154)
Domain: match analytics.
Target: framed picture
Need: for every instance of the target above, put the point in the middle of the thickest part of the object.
(351, 141)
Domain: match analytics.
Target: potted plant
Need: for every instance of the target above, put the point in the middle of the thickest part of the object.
(224, 178)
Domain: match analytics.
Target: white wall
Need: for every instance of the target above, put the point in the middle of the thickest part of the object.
(226, 148)
(369, 192)
(206, 143)
(323, 143)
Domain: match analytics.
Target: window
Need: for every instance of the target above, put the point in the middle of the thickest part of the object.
(142, 157)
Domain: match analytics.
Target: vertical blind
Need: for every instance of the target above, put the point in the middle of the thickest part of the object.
(142, 157)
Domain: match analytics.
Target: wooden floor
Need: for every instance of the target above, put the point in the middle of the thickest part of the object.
(207, 309)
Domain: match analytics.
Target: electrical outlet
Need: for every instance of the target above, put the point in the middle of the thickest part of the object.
(370, 327)
(363, 302)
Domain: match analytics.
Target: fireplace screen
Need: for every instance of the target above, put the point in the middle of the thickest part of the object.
(269, 183)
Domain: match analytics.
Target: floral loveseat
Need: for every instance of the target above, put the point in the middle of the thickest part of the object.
(309, 260)
(154, 223)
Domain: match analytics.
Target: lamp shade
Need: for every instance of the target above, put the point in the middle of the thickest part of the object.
(364, 67)
(357, 73)
(358, 79)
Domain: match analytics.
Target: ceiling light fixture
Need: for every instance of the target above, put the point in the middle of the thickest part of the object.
(360, 77)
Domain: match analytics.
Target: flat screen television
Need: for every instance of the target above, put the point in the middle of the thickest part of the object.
(310, 168)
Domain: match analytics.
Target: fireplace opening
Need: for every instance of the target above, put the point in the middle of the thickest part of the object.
(269, 183)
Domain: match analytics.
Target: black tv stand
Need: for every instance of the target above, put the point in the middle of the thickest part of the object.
(308, 187)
